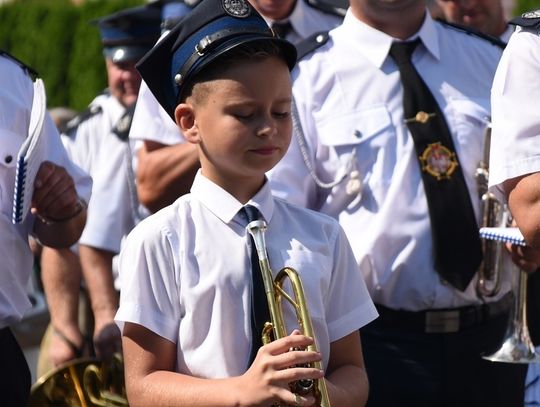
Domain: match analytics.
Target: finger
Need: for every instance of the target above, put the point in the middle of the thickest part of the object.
(46, 169)
(291, 341)
(295, 358)
(53, 181)
(293, 399)
(294, 374)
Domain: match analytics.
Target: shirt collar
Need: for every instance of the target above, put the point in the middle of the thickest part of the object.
(374, 45)
(300, 19)
(224, 205)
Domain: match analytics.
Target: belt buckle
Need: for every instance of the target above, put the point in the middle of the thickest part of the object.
(442, 321)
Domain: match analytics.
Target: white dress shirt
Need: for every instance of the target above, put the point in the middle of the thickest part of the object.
(515, 147)
(113, 209)
(186, 275)
(16, 95)
(349, 99)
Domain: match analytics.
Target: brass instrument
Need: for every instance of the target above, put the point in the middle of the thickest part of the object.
(84, 382)
(493, 214)
(517, 346)
(275, 329)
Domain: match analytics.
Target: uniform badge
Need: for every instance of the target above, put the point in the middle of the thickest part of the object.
(236, 8)
(531, 14)
(438, 161)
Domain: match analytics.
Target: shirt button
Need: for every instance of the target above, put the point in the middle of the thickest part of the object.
(8, 159)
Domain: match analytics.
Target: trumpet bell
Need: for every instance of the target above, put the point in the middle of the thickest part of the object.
(516, 348)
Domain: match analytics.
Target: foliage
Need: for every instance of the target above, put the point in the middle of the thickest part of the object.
(56, 39)
(525, 5)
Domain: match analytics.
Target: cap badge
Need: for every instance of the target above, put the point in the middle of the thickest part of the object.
(236, 8)
(531, 14)
(438, 161)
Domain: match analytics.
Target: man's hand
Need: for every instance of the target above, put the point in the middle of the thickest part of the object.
(55, 198)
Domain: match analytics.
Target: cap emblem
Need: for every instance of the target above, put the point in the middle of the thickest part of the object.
(438, 161)
(236, 8)
(531, 14)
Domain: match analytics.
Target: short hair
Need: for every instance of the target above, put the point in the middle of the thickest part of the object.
(254, 51)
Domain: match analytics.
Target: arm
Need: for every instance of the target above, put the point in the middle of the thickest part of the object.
(524, 203)
(150, 378)
(164, 173)
(97, 272)
(61, 276)
(346, 377)
(61, 214)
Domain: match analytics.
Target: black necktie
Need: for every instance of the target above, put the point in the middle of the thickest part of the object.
(282, 29)
(259, 305)
(456, 240)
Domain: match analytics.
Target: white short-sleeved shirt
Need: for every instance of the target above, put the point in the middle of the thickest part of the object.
(515, 139)
(350, 104)
(113, 208)
(186, 276)
(152, 123)
(16, 95)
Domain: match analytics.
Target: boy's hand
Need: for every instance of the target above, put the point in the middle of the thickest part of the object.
(267, 380)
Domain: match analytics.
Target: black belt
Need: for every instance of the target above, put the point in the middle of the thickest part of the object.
(443, 320)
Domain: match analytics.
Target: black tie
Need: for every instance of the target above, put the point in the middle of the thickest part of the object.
(282, 29)
(456, 240)
(259, 305)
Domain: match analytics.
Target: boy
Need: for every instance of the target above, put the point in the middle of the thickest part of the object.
(185, 293)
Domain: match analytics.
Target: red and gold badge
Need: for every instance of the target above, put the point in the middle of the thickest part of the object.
(438, 161)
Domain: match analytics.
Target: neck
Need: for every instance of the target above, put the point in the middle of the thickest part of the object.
(397, 20)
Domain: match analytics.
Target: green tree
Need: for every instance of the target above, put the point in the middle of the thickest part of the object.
(56, 38)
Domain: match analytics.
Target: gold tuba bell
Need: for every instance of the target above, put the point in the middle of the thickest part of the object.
(84, 382)
(275, 329)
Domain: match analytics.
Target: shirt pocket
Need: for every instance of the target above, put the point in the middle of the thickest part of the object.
(9, 148)
(363, 140)
(469, 119)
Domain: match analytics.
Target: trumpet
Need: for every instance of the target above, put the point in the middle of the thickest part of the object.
(493, 214)
(83, 382)
(275, 294)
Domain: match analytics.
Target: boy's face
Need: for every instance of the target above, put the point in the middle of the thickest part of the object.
(241, 122)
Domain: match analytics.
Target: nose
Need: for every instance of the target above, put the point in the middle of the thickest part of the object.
(267, 126)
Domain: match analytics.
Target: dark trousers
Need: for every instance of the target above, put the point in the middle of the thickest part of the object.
(420, 369)
(15, 378)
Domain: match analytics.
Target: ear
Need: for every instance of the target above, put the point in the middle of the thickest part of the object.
(184, 115)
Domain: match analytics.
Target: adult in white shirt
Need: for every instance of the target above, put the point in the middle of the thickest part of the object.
(57, 217)
(514, 162)
(349, 100)
(97, 140)
(487, 16)
(166, 163)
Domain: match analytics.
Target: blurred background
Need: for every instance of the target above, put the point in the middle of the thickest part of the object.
(56, 39)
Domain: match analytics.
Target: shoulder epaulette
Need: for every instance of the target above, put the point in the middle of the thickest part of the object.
(311, 43)
(336, 7)
(528, 19)
(477, 33)
(86, 114)
(30, 71)
(122, 126)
